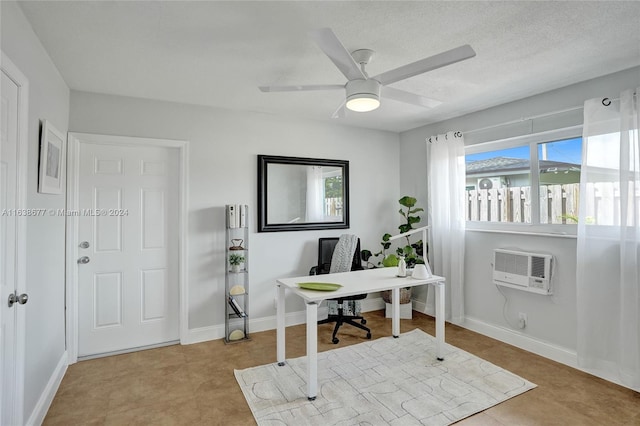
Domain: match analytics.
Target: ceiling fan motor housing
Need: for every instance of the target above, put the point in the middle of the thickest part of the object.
(363, 95)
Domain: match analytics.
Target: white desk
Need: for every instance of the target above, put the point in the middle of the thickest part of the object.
(353, 283)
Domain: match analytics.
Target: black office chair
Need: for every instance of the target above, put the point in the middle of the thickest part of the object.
(326, 247)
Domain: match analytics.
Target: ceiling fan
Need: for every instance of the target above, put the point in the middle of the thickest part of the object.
(363, 92)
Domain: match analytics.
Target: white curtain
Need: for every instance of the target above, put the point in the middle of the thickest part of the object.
(445, 207)
(315, 195)
(608, 291)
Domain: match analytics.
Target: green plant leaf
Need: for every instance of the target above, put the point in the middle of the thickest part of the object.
(390, 260)
(413, 219)
(418, 248)
(416, 210)
(570, 217)
(365, 254)
(404, 228)
(235, 259)
(402, 213)
(386, 237)
(407, 201)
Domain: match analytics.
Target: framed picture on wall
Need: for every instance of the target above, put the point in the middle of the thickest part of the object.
(52, 153)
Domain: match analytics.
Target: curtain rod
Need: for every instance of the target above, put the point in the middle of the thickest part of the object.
(605, 102)
(522, 119)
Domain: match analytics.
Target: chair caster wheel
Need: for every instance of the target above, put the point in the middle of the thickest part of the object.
(335, 341)
(368, 335)
(364, 321)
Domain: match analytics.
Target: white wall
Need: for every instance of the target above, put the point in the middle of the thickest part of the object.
(48, 99)
(223, 169)
(551, 320)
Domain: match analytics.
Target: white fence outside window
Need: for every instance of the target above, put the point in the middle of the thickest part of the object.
(333, 206)
(558, 203)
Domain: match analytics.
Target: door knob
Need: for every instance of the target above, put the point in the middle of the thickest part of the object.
(21, 299)
(84, 259)
(84, 244)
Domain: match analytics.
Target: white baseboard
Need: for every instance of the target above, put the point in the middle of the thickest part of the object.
(46, 398)
(548, 350)
(373, 304)
(420, 306)
(406, 311)
(553, 352)
(203, 334)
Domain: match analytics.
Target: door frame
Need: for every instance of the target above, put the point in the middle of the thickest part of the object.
(14, 73)
(73, 174)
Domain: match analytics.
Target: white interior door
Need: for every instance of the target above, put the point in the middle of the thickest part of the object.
(128, 251)
(11, 285)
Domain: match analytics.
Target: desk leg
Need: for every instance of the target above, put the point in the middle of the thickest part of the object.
(280, 326)
(440, 312)
(395, 312)
(312, 351)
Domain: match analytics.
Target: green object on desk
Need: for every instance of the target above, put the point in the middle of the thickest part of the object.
(320, 286)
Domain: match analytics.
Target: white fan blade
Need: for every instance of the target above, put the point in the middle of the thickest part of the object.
(331, 46)
(408, 98)
(301, 88)
(427, 64)
(340, 112)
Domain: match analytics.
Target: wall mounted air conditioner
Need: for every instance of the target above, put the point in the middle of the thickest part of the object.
(490, 183)
(522, 270)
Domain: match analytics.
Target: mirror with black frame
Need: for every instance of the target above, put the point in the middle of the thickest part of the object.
(296, 194)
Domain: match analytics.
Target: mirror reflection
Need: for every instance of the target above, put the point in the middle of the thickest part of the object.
(302, 193)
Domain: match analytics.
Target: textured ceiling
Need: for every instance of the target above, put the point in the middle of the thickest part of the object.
(217, 53)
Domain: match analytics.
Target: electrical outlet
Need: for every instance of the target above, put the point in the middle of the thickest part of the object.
(522, 320)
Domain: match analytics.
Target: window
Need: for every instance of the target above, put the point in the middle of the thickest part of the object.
(533, 179)
(559, 180)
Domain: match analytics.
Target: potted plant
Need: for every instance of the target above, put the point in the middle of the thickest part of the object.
(235, 260)
(412, 252)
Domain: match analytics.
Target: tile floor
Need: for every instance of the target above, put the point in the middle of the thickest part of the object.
(195, 385)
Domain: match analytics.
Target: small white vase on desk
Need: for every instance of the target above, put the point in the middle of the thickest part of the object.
(402, 267)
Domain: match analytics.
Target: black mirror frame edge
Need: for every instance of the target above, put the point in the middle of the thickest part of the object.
(263, 226)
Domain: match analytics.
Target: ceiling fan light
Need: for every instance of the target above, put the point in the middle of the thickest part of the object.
(363, 95)
(363, 103)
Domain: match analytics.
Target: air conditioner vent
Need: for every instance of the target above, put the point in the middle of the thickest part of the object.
(511, 263)
(522, 270)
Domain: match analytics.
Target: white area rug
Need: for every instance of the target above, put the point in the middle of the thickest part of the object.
(384, 381)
